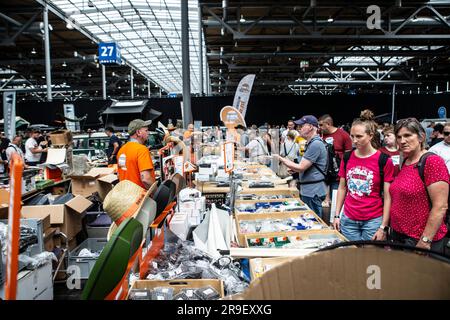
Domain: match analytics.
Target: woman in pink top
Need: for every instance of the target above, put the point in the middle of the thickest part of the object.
(366, 214)
(414, 220)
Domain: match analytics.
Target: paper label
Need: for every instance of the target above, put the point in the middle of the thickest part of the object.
(140, 294)
(208, 291)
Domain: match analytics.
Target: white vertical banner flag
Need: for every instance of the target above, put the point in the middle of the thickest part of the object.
(9, 114)
(242, 95)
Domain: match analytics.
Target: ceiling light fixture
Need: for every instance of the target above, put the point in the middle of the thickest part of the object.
(89, 75)
(33, 51)
(330, 19)
(69, 25)
(64, 64)
(242, 20)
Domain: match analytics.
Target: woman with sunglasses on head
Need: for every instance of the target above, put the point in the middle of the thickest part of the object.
(418, 207)
(365, 176)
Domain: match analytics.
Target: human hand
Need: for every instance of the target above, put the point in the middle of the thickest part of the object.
(423, 245)
(380, 235)
(337, 224)
(277, 157)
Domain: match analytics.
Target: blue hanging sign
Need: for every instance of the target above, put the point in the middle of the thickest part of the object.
(109, 53)
(442, 112)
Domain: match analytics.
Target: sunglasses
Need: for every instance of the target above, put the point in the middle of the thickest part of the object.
(446, 133)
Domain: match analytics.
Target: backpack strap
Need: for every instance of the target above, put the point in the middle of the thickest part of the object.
(345, 158)
(382, 160)
(421, 168)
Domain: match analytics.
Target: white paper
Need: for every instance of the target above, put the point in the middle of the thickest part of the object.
(56, 156)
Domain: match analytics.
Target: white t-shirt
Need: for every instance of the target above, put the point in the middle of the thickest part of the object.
(29, 156)
(291, 151)
(443, 150)
(13, 148)
(257, 149)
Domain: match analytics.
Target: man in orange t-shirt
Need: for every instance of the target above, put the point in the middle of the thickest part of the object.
(134, 162)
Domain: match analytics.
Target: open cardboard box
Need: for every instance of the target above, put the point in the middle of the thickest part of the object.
(179, 284)
(66, 216)
(354, 273)
(61, 137)
(96, 180)
(41, 215)
(303, 235)
(271, 216)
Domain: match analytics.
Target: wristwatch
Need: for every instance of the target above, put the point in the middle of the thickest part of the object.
(426, 239)
(384, 228)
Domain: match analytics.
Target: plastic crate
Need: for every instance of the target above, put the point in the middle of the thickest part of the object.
(97, 224)
(86, 264)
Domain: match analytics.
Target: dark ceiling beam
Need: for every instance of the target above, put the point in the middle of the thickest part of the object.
(304, 82)
(346, 53)
(347, 38)
(42, 61)
(422, 22)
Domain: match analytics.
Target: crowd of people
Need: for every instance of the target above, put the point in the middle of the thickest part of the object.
(31, 146)
(387, 181)
(392, 181)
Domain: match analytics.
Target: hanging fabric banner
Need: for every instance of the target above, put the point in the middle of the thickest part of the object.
(242, 95)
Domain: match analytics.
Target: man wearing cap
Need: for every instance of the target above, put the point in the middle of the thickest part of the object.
(134, 162)
(314, 160)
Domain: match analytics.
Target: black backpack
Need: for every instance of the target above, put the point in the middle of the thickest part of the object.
(421, 168)
(382, 160)
(332, 166)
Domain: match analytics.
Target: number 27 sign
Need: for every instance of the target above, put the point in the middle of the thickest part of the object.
(109, 53)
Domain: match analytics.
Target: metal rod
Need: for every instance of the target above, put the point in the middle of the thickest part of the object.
(48, 75)
(104, 81)
(149, 92)
(200, 46)
(132, 83)
(187, 118)
(393, 103)
(160, 92)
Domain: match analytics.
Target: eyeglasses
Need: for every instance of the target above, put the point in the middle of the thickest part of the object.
(446, 133)
(407, 120)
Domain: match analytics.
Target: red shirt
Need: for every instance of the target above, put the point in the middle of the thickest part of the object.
(363, 201)
(410, 209)
(341, 141)
(395, 157)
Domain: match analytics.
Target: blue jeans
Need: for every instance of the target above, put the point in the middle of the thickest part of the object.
(355, 230)
(315, 203)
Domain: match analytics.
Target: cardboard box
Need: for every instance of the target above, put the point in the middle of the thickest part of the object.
(36, 214)
(179, 225)
(354, 273)
(99, 180)
(61, 137)
(65, 216)
(49, 243)
(303, 235)
(105, 184)
(179, 284)
(4, 203)
(272, 216)
(258, 266)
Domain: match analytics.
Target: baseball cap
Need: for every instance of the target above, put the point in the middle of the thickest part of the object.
(137, 124)
(307, 119)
